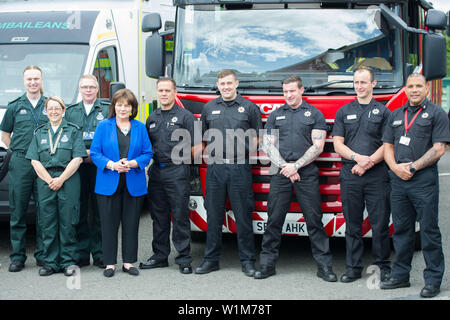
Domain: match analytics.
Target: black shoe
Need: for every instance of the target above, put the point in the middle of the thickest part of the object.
(350, 277)
(385, 274)
(249, 269)
(132, 271)
(39, 263)
(185, 269)
(109, 272)
(99, 263)
(207, 267)
(152, 263)
(393, 283)
(327, 274)
(430, 291)
(46, 271)
(69, 270)
(83, 263)
(264, 272)
(16, 266)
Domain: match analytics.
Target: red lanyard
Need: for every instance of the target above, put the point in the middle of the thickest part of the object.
(408, 125)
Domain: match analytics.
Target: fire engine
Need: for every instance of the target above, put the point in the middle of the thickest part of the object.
(323, 41)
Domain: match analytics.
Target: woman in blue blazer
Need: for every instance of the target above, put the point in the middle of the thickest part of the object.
(121, 150)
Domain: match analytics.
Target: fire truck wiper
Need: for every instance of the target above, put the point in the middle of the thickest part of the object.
(326, 84)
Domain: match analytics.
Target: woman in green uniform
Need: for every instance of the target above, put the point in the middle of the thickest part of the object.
(56, 152)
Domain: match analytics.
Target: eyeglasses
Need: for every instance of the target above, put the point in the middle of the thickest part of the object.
(88, 87)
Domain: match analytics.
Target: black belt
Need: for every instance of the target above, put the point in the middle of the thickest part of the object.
(165, 164)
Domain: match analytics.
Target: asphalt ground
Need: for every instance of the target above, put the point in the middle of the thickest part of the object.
(295, 280)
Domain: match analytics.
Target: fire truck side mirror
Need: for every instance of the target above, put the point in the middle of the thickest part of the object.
(436, 19)
(154, 46)
(434, 56)
(151, 22)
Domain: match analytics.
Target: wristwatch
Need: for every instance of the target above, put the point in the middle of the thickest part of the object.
(353, 156)
(296, 165)
(411, 168)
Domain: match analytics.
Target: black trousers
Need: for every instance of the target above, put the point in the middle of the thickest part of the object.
(307, 193)
(234, 180)
(417, 199)
(168, 190)
(369, 191)
(120, 208)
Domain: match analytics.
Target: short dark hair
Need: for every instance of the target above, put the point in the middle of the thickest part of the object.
(129, 97)
(225, 73)
(369, 70)
(292, 79)
(162, 79)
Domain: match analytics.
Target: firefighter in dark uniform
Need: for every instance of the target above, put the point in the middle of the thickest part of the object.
(357, 132)
(169, 184)
(302, 132)
(22, 117)
(414, 140)
(56, 152)
(229, 172)
(87, 114)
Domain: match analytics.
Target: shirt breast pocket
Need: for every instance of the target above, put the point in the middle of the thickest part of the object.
(240, 120)
(374, 124)
(44, 152)
(424, 128)
(65, 152)
(212, 119)
(20, 118)
(351, 125)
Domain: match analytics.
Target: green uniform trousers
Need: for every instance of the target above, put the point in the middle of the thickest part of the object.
(22, 183)
(88, 230)
(58, 218)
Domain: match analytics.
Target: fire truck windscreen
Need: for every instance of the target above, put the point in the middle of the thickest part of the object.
(263, 46)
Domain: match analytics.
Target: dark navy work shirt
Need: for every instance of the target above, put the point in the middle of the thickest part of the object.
(162, 124)
(430, 126)
(238, 114)
(361, 126)
(294, 128)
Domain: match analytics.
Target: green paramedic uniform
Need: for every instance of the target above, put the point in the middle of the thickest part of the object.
(59, 209)
(88, 231)
(21, 119)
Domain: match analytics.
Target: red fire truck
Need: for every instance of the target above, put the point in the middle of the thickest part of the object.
(321, 41)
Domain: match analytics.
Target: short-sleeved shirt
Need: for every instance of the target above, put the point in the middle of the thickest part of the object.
(22, 119)
(76, 113)
(228, 117)
(361, 127)
(294, 129)
(70, 145)
(430, 126)
(161, 125)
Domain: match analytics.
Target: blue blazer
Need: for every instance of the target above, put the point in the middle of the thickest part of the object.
(105, 147)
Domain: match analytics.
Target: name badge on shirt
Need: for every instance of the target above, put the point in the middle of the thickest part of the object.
(152, 125)
(405, 140)
(351, 116)
(397, 122)
(87, 135)
(23, 111)
(216, 112)
(281, 118)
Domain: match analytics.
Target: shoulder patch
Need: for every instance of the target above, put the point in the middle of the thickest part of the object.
(15, 100)
(73, 125)
(39, 127)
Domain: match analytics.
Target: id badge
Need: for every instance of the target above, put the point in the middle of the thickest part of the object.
(88, 135)
(405, 140)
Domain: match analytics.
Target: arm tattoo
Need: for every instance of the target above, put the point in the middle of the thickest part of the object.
(318, 139)
(430, 157)
(269, 147)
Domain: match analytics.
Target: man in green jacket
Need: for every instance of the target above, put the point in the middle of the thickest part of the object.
(87, 114)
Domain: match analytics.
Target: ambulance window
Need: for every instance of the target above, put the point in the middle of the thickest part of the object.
(105, 70)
